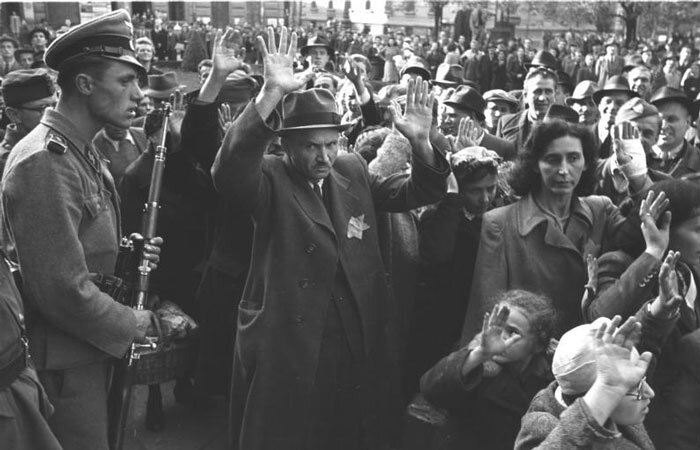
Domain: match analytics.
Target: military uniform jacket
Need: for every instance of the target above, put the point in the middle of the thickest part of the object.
(297, 248)
(60, 219)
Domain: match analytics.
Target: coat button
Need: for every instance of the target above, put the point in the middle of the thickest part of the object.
(299, 319)
(339, 299)
(310, 248)
(304, 283)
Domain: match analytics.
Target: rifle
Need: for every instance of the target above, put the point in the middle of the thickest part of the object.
(133, 267)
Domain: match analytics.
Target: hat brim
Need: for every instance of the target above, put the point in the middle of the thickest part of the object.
(598, 95)
(305, 49)
(570, 100)
(417, 70)
(445, 84)
(162, 94)
(340, 127)
(479, 115)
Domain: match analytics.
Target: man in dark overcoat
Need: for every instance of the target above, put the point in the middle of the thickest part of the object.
(315, 363)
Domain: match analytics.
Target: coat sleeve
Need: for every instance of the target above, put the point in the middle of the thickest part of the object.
(623, 284)
(438, 230)
(238, 167)
(490, 276)
(575, 429)
(200, 133)
(398, 192)
(444, 386)
(51, 258)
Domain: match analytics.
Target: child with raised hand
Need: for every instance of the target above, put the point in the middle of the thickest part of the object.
(487, 385)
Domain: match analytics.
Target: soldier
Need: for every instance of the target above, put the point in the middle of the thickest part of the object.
(27, 94)
(75, 329)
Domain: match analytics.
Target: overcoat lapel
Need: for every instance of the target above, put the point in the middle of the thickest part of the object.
(308, 201)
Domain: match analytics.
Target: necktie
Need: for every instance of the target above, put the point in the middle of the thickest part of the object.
(317, 191)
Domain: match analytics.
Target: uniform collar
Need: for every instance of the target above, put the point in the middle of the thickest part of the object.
(64, 126)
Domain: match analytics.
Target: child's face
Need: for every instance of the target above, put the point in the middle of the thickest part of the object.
(525, 347)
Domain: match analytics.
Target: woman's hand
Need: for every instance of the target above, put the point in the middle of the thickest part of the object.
(655, 237)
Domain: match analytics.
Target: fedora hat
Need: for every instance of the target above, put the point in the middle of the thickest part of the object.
(467, 98)
(543, 59)
(668, 94)
(582, 91)
(612, 85)
(6, 38)
(448, 75)
(320, 41)
(418, 66)
(561, 112)
(310, 109)
(162, 85)
(21, 51)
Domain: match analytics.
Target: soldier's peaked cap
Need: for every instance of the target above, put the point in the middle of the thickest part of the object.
(108, 36)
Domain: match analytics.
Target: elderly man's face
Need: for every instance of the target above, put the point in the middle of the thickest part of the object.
(449, 123)
(539, 94)
(586, 110)
(312, 152)
(144, 53)
(610, 104)
(640, 81)
(675, 121)
(318, 57)
(7, 49)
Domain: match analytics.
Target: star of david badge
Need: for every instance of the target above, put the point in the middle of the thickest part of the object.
(356, 226)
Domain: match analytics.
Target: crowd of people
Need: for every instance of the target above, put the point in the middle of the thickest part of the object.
(387, 242)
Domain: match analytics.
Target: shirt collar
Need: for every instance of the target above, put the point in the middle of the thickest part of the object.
(669, 155)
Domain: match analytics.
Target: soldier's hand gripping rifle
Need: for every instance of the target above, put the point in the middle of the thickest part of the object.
(132, 265)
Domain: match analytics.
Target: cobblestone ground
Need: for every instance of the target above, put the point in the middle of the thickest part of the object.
(184, 429)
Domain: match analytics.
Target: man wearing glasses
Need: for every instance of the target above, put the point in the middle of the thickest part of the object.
(27, 94)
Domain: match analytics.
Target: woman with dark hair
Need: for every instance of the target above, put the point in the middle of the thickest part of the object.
(627, 280)
(490, 382)
(540, 243)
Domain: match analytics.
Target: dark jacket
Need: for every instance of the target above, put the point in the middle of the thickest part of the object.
(548, 425)
(298, 245)
(687, 167)
(515, 128)
(477, 404)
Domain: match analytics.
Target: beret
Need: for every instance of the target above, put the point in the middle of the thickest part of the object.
(108, 36)
(23, 86)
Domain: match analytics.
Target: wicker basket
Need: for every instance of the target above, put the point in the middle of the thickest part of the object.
(169, 361)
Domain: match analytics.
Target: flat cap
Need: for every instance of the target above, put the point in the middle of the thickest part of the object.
(499, 95)
(108, 36)
(418, 66)
(584, 90)
(635, 109)
(23, 86)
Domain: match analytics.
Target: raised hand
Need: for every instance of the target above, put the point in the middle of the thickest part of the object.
(667, 302)
(492, 342)
(467, 133)
(225, 117)
(227, 51)
(415, 123)
(278, 63)
(655, 237)
(615, 368)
